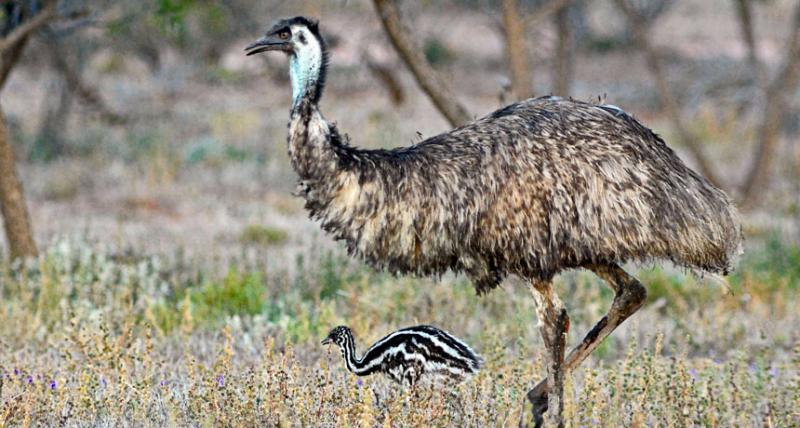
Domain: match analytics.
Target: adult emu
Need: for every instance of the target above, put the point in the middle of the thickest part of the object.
(533, 189)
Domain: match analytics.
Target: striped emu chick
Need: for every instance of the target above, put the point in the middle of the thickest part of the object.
(410, 355)
(533, 189)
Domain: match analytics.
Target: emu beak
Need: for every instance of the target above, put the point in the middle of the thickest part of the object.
(327, 340)
(267, 43)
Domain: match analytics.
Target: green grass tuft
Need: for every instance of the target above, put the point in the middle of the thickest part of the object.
(263, 235)
(236, 294)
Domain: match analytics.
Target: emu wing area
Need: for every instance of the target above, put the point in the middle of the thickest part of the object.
(538, 187)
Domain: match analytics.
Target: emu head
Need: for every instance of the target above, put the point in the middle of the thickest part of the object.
(300, 39)
(338, 336)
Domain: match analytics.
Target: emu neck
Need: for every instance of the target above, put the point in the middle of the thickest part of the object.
(304, 73)
(309, 133)
(310, 149)
(354, 365)
(307, 69)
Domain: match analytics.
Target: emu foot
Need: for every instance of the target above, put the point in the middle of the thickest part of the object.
(538, 398)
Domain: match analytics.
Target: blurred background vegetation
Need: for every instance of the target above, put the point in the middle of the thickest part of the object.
(166, 249)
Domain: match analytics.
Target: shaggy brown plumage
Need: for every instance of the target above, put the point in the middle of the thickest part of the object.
(532, 189)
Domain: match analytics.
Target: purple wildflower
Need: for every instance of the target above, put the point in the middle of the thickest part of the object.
(16, 372)
(163, 383)
(221, 380)
(103, 382)
(359, 382)
(30, 380)
(53, 385)
(693, 373)
(773, 372)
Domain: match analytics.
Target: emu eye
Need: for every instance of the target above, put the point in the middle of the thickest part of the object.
(283, 35)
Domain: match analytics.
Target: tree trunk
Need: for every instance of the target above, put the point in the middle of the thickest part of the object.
(16, 220)
(516, 53)
(12, 201)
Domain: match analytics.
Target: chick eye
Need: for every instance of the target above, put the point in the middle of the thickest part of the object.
(283, 35)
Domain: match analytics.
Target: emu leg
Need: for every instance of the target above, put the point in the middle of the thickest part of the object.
(630, 295)
(553, 325)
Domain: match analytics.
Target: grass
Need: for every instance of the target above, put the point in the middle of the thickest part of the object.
(154, 341)
(255, 234)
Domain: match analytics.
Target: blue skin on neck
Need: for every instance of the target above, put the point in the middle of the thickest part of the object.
(304, 72)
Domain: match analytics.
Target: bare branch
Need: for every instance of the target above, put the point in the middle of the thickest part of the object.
(78, 86)
(431, 84)
(670, 104)
(29, 26)
(784, 83)
(745, 13)
(386, 76)
(516, 54)
(9, 58)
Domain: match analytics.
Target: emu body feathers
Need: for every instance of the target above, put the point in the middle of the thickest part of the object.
(532, 189)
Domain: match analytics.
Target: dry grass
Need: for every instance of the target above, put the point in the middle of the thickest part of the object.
(94, 339)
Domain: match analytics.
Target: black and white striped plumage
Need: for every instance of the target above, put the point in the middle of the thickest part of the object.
(409, 355)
